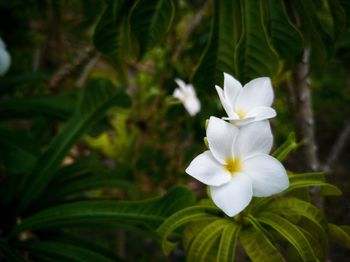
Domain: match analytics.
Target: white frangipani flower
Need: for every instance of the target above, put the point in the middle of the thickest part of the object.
(5, 58)
(247, 104)
(187, 95)
(237, 165)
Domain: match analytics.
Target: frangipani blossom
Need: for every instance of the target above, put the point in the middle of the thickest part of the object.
(5, 58)
(247, 104)
(187, 95)
(237, 165)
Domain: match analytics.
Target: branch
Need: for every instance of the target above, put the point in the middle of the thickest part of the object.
(195, 21)
(338, 147)
(301, 100)
(68, 69)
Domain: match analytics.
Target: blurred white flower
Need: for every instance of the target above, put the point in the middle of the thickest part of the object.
(5, 58)
(237, 165)
(247, 104)
(187, 95)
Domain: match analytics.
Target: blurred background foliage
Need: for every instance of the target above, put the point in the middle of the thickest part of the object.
(86, 112)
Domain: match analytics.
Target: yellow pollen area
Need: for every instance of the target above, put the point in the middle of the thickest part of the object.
(240, 114)
(233, 165)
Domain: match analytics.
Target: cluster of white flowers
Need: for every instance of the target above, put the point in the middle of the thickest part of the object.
(5, 58)
(237, 165)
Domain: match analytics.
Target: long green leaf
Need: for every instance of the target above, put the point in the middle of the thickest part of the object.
(81, 184)
(286, 38)
(293, 209)
(317, 240)
(149, 22)
(108, 34)
(255, 57)
(206, 238)
(339, 234)
(287, 147)
(182, 217)
(310, 179)
(339, 17)
(219, 54)
(313, 32)
(64, 252)
(151, 212)
(60, 106)
(294, 206)
(257, 245)
(290, 232)
(228, 243)
(99, 96)
(7, 253)
(22, 151)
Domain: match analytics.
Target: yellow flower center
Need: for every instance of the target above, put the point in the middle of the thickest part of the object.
(240, 114)
(233, 165)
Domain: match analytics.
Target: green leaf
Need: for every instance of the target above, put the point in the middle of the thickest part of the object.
(191, 230)
(64, 252)
(338, 15)
(8, 253)
(94, 245)
(81, 184)
(228, 243)
(307, 180)
(317, 239)
(293, 206)
(60, 106)
(21, 151)
(290, 232)
(206, 238)
(99, 96)
(313, 32)
(151, 212)
(150, 21)
(329, 190)
(339, 234)
(183, 217)
(219, 54)
(257, 245)
(286, 38)
(255, 57)
(108, 35)
(286, 148)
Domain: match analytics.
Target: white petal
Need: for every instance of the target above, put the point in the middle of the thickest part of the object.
(231, 89)
(225, 104)
(234, 196)
(190, 90)
(268, 175)
(240, 122)
(181, 84)
(192, 105)
(5, 61)
(207, 170)
(261, 113)
(254, 138)
(257, 92)
(221, 138)
(178, 94)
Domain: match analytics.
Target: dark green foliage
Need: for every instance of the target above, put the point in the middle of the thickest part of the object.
(98, 97)
(218, 56)
(150, 21)
(254, 54)
(94, 158)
